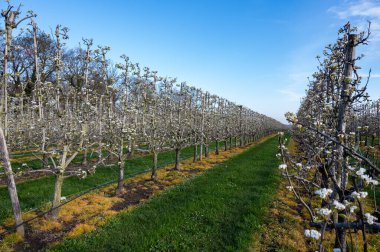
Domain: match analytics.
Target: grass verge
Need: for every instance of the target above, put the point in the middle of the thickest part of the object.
(217, 211)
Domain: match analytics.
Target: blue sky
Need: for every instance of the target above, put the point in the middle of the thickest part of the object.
(257, 53)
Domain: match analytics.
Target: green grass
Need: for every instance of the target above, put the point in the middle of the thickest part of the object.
(217, 211)
(35, 193)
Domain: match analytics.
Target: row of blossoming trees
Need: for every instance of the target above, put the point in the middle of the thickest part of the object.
(335, 167)
(59, 103)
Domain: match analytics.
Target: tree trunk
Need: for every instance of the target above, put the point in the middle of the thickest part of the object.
(154, 167)
(216, 147)
(225, 145)
(84, 161)
(195, 153)
(58, 184)
(57, 195)
(11, 184)
(230, 143)
(235, 142)
(341, 173)
(45, 157)
(120, 182)
(100, 152)
(177, 166)
(201, 152)
(130, 147)
(206, 150)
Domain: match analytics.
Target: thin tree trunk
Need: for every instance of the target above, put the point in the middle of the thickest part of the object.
(154, 167)
(57, 195)
(201, 152)
(177, 159)
(195, 153)
(11, 184)
(225, 145)
(130, 147)
(58, 184)
(340, 238)
(217, 147)
(84, 161)
(120, 182)
(206, 150)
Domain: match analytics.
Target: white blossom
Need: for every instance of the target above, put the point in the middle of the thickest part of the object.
(361, 171)
(353, 208)
(324, 211)
(311, 233)
(338, 205)
(369, 180)
(290, 188)
(323, 192)
(351, 168)
(370, 218)
(282, 166)
(359, 195)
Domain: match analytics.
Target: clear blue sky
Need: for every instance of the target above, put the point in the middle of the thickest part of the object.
(256, 53)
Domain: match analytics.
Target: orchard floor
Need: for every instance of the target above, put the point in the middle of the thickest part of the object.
(35, 193)
(219, 210)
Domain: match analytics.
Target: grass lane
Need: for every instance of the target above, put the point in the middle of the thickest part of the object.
(35, 193)
(217, 211)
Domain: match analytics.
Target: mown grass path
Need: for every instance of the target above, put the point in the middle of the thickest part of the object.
(217, 211)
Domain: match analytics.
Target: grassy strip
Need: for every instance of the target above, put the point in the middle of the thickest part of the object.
(217, 211)
(35, 193)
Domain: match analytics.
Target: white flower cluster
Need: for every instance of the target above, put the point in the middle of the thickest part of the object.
(369, 180)
(323, 192)
(291, 117)
(338, 205)
(370, 218)
(324, 211)
(365, 177)
(359, 195)
(290, 188)
(361, 171)
(282, 147)
(353, 208)
(282, 166)
(311, 233)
